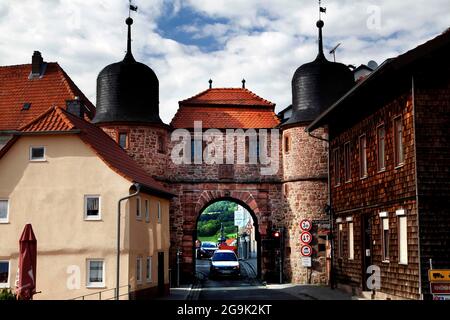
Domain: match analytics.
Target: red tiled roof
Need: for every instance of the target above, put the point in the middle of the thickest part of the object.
(228, 96)
(226, 108)
(53, 89)
(56, 120)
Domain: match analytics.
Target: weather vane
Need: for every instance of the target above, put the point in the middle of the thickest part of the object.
(321, 9)
(131, 8)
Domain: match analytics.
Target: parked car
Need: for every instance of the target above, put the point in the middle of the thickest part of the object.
(207, 250)
(224, 263)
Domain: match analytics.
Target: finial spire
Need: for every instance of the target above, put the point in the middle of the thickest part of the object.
(320, 25)
(210, 83)
(243, 83)
(129, 22)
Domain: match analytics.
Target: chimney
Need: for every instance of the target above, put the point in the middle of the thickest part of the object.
(75, 107)
(37, 64)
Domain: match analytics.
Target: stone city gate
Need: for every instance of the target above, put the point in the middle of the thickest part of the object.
(191, 202)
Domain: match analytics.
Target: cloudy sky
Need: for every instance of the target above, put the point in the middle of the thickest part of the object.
(187, 42)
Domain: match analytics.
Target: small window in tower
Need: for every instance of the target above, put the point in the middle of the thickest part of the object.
(123, 140)
(161, 144)
(287, 144)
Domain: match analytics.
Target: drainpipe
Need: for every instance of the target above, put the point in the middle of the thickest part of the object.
(138, 189)
(330, 208)
(413, 97)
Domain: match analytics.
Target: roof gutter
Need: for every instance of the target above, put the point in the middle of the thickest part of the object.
(154, 191)
(38, 133)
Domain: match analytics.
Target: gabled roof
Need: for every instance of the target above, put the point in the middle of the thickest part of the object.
(429, 55)
(224, 108)
(56, 120)
(54, 88)
(229, 97)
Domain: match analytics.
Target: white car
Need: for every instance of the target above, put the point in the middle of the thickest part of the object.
(224, 263)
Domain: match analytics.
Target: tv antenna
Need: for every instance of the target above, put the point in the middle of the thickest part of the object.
(333, 51)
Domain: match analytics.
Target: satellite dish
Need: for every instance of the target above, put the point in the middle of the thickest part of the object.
(372, 64)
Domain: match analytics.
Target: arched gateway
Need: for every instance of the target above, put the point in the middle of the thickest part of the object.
(281, 192)
(243, 198)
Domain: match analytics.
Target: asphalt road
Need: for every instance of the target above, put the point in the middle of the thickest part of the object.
(247, 287)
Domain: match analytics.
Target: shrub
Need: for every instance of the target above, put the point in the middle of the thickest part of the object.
(6, 294)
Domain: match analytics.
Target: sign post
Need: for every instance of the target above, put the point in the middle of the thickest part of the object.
(306, 238)
(439, 283)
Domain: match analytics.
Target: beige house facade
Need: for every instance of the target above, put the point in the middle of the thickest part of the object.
(68, 189)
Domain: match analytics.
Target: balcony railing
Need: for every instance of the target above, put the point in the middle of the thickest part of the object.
(109, 294)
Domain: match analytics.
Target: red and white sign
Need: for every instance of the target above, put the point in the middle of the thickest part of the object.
(306, 237)
(440, 287)
(306, 250)
(305, 225)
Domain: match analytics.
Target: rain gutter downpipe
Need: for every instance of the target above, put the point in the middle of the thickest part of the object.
(138, 190)
(330, 208)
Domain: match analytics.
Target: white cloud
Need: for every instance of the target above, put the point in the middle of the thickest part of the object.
(263, 41)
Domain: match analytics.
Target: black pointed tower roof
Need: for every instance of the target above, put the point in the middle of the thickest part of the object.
(317, 85)
(127, 91)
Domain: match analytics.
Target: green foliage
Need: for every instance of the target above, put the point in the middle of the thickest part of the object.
(218, 213)
(229, 229)
(208, 228)
(6, 294)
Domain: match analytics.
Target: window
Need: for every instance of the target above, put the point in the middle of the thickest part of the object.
(402, 237)
(287, 144)
(96, 273)
(123, 140)
(37, 153)
(381, 144)
(196, 151)
(92, 208)
(385, 235)
(351, 244)
(340, 240)
(138, 208)
(159, 212)
(4, 211)
(347, 162)
(138, 269)
(147, 211)
(149, 269)
(337, 175)
(4, 274)
(251, 149)
(362, 156)
(398, 141)
(161, 144)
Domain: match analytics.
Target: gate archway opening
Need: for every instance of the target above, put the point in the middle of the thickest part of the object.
(234, 224)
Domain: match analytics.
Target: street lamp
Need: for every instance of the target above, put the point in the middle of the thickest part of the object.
(138, 189)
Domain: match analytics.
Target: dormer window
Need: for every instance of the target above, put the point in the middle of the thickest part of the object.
(26, 106)
(37, 154)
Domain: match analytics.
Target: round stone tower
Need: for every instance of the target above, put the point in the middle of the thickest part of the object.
(315, 87)
(128, 110)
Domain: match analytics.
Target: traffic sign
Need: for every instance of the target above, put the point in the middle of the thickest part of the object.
(305, 225)
(436, 275)
(306, 262)
(306, 237)
(440, 287)
(306, 250)
(441, 297)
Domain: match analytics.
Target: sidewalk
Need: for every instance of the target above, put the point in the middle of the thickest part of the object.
(181, 293)
(311, 292)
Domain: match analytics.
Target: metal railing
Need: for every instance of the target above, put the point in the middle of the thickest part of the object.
(108, 294)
